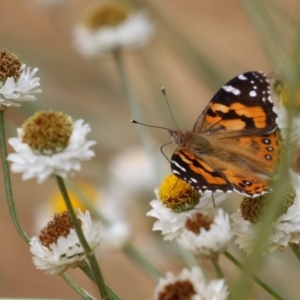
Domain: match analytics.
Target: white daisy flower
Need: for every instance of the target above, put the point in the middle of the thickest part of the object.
(17, 82)
(49, 143)
(190, 285)
(111, 27)
(58, 247)
(285, 230)
(176, 202)
(206, 235)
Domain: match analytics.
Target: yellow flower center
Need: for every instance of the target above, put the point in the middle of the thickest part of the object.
(182, 289)
(105, 15)
(10, 66)
(177, 194)
(252, 209)
(61, 225)
(198, 221)
(47, 132)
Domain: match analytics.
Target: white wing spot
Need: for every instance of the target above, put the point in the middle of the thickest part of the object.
(178, 166)
(242, 77)
(253, 94)
(176, 172)
(231, 89)
(194, 180)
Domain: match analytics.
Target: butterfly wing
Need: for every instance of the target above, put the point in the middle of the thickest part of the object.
(198, 173)
(240, 125)
(243, 106)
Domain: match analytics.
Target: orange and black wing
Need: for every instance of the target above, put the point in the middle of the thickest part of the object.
(201, 175)
(243, 106)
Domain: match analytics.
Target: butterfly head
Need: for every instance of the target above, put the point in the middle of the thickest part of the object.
(178, 137)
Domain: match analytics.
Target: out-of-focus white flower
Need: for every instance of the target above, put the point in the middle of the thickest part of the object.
(133, 170)
(49, 143)
(116, 236)
(176, 202)
(206, 235)
(58, 247)
(17, 82)
(190, 285)
(285, 230)
(111, 27)
(132, 173)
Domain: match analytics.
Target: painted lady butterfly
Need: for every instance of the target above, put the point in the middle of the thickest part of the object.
(235, 142)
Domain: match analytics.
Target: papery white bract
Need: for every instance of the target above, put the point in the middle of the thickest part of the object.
(285, 230)
(15, 92)
(208, 243)
(190, 284)
(67, 251)
(32, 164)
(172, 223)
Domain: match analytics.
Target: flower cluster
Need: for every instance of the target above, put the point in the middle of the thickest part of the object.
(190, 217)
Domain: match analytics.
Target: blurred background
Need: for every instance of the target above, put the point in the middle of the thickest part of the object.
(197, 46)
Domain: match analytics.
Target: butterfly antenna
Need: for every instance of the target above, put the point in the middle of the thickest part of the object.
(168, 103)
(153, 126)
(163, 153)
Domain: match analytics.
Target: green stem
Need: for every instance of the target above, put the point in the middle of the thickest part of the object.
(145, 264)
(217, 267)
(135, 110)
(130, 250)
(84, 294)
(130, 98)
(254, 277)
(110, 294)
(7, 181)
(268, 33)
(295, 249)
(90, 254)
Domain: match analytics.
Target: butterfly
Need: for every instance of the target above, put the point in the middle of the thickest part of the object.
(235, 143)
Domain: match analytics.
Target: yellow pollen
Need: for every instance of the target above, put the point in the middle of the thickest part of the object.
(61, 225)
(177, 194)
(10, 66)
(47, 132)
(105, 15)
